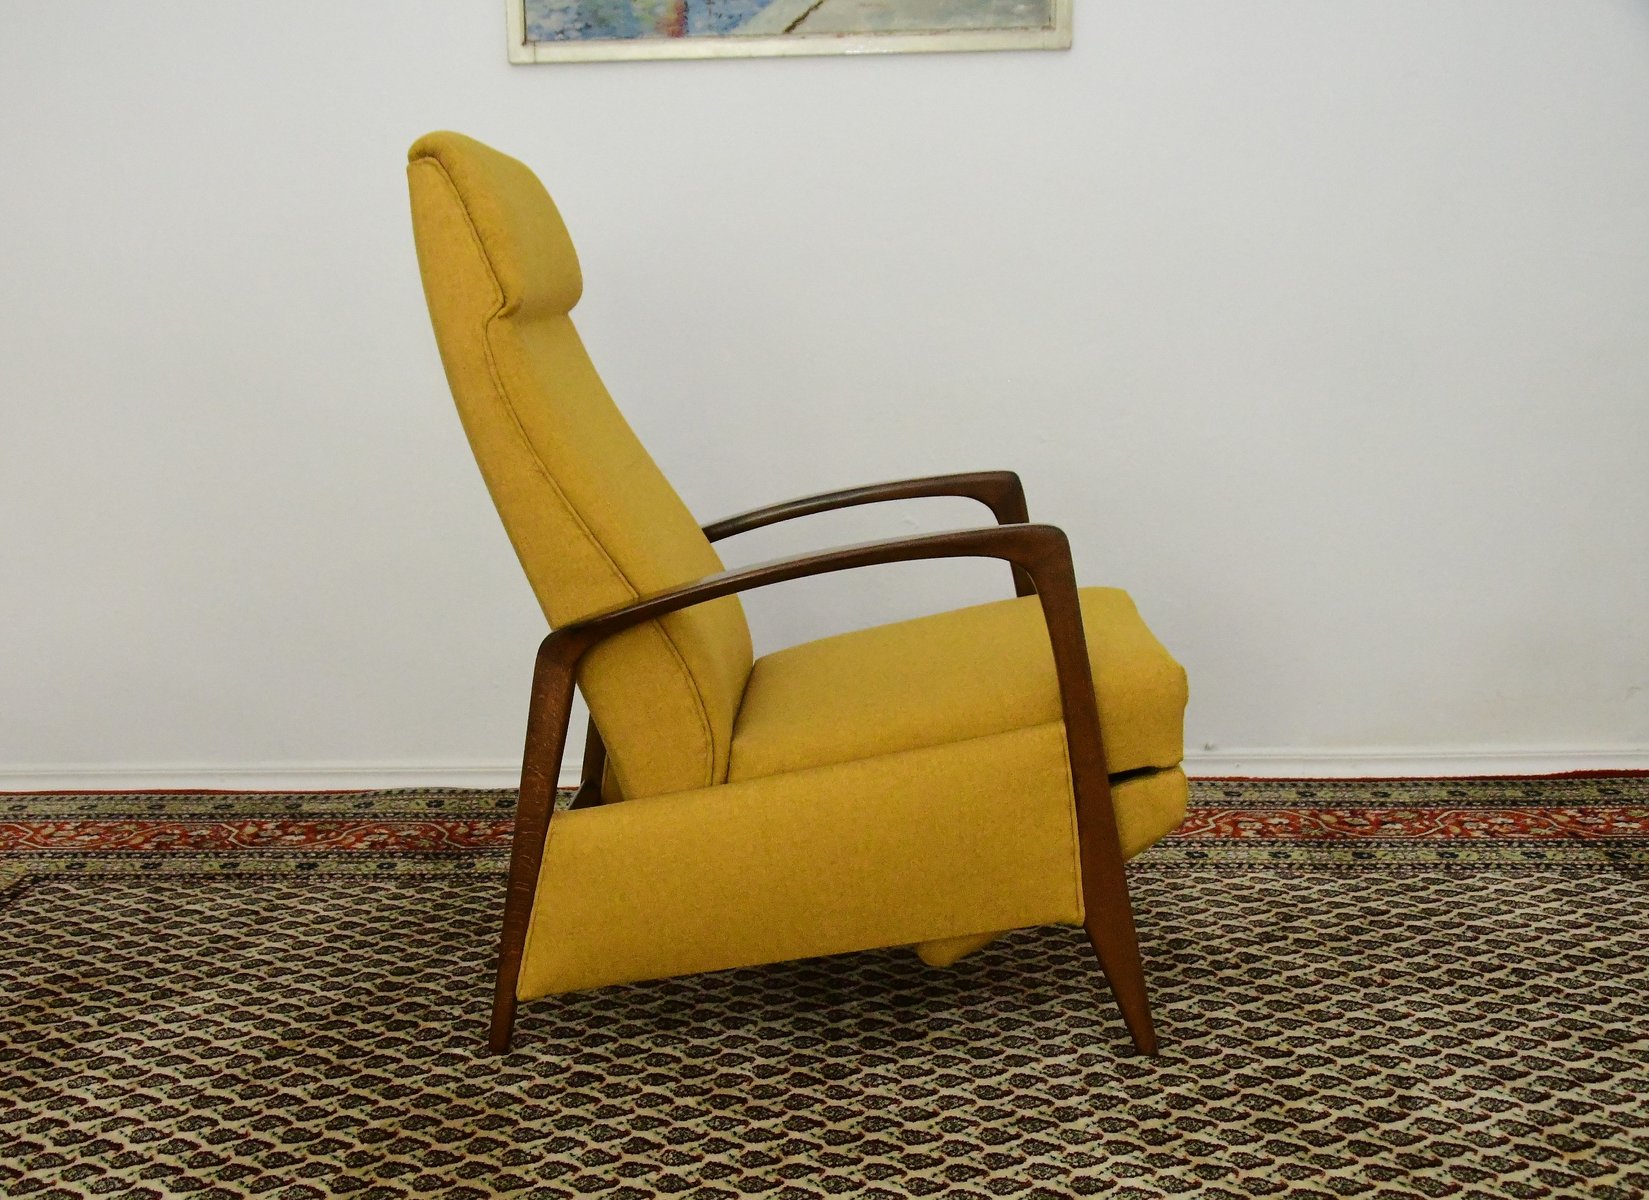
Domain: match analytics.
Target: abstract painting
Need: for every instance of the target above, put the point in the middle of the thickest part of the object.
(568, 30)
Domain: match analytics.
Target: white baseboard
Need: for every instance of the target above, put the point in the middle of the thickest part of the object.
(1254, 764)
(1407, 764)
(261, 777)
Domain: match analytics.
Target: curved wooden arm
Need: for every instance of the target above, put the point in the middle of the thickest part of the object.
(1041, 551)
(999, 491)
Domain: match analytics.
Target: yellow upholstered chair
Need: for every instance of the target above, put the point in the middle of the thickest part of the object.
(926, 783)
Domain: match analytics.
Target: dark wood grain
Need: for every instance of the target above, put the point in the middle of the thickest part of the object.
(1000, 491)
(1040, 551)
(1108, 912)
(548, 711)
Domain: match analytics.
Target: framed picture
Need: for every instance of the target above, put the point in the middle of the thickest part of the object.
(573, 30)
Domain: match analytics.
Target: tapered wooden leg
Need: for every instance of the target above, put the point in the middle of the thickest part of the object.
(547, 717)
(1109, 923)
(1118, 953)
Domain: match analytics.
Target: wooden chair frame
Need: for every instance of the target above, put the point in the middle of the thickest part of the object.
(1040, 556)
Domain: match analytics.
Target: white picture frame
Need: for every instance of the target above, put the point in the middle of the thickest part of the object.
(778, 16)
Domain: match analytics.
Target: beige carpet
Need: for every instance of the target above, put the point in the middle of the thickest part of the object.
(1363, 991)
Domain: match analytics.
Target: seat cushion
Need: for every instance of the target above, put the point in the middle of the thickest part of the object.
(968, 673)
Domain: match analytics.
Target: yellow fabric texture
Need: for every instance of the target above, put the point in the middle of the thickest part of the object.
(929, 843)
(593, 521)
(1148, 807)
(956, 675)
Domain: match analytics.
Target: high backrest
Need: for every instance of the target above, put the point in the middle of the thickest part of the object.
(594, 522)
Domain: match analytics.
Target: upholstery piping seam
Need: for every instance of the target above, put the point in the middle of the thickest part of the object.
(555, 488)
(928, 745)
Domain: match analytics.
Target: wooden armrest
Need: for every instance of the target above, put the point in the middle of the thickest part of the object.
(1036, 548)
(1000, 491)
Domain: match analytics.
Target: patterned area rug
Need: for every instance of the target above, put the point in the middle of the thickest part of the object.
(1364, 990)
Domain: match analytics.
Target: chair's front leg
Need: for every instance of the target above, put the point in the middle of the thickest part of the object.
(547, 717)
(1109, 919)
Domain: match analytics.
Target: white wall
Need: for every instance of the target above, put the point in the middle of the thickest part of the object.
(1321, 327)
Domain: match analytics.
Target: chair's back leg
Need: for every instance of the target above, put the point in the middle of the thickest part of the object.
(547, 717)
(594, 768)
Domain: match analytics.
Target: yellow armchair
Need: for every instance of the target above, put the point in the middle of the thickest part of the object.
(928, 783)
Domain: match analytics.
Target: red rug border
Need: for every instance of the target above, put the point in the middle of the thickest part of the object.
(1624, 773)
